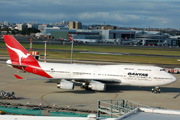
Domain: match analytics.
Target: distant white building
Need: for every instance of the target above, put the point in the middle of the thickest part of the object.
(30, 25)
(6, 23)
(21, 26)
(42, 27)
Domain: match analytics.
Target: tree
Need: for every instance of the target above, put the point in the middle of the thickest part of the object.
(28, 31)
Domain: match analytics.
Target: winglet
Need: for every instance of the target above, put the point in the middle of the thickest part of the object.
(18, 77)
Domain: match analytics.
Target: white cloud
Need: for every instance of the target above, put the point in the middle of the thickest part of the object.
(109, 16)
(117, 12)
(47, 16)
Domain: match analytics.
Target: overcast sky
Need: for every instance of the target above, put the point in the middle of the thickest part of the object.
(123, 13)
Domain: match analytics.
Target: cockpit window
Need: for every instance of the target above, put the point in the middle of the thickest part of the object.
(162, 69)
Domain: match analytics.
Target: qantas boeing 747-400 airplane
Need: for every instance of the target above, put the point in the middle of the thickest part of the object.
(93, 77)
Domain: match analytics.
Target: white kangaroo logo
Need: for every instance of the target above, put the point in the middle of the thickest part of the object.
(19, 52)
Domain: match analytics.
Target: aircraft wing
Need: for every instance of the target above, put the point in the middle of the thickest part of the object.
(99, 80)
(80, 80)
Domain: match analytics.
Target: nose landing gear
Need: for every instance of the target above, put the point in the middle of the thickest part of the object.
(156, 90)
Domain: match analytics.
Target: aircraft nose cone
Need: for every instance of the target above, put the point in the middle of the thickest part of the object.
(174, 79)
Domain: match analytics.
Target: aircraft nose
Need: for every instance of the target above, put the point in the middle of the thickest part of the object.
(174, 79)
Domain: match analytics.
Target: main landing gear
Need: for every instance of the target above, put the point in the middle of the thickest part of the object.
(85, 86)
(156, 90)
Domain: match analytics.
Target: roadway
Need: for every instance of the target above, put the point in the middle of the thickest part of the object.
(40, 91)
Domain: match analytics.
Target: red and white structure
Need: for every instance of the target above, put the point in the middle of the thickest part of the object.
(94, 77)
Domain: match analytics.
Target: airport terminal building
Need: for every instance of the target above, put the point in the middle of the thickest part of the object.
(105, 36)
(120, 37)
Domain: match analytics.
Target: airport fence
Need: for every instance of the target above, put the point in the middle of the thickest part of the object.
(68, 114)
(20, 111)
(115, 108)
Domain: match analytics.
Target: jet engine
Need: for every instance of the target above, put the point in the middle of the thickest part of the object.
(64, 84)
(94, 85)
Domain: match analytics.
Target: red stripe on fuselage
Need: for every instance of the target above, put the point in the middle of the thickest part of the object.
(37, 71)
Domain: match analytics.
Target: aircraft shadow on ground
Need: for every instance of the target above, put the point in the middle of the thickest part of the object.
(77, 91)
(136, 88)
(21, 98)
(121, 89)
(50, 82)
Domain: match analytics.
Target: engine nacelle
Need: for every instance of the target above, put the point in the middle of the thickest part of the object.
(64, 84)
(94, 85)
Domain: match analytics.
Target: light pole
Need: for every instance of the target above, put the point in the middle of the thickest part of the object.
(45, 51)
(72, 42)
(31, 45)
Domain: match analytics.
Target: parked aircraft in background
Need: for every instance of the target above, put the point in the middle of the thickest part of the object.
(82, 40)
(93, 77)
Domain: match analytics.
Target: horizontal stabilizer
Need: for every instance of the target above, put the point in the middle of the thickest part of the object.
(18, 77)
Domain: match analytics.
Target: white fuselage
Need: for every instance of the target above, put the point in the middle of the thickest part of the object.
(135, 75)
(86, 40)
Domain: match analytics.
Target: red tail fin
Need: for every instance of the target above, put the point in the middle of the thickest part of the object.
(70, 37)
(18, 54)
(21, 59)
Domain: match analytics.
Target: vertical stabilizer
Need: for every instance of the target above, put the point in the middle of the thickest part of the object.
(18, 54)
(21, 59)
(70, 38)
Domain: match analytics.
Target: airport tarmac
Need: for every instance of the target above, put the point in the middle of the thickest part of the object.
(45, 92)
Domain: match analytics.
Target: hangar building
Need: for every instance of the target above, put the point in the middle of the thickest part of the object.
(150, 39)
(118, 34)
(76, 34)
